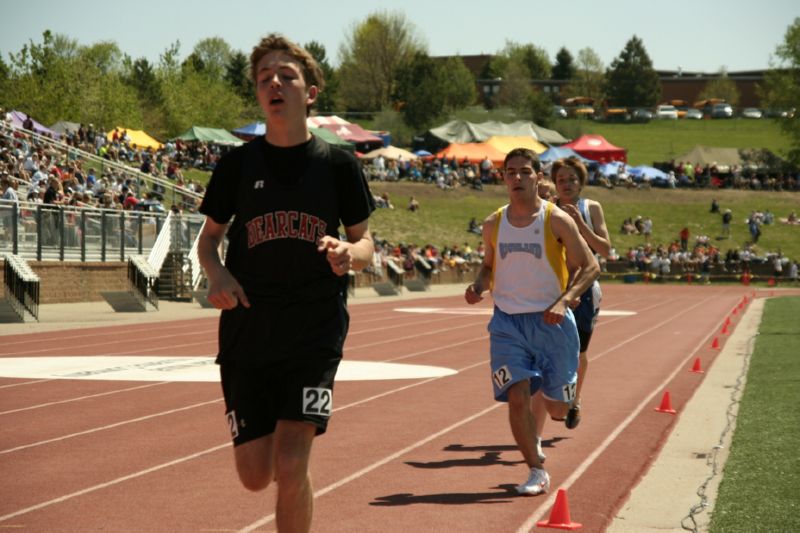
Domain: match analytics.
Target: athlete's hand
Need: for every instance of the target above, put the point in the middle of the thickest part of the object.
(575, 303)
(572, 210)
(338, 254)
(554, 314)
(471, 295)
(225, 292)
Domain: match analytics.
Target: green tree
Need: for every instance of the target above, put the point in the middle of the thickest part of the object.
(326, 101)
(370, 57)
(428, 89)
(538, 107)
(516, 85)
(564, 69)
(237, 74)
(212, 55)
(631, 79)
(191, 98)
(782, 89)
(141, 75)
(534, 59)
(58, 79)
(589, 79)
(721, 87)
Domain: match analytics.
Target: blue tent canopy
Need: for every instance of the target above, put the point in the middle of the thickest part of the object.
(610, 169)
(645, 173)
(555, 153)
(256, 129)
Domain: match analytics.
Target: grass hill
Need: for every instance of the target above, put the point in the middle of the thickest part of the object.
(444, 215)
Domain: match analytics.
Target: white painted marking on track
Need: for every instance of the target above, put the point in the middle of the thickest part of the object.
(184, 369)
(473, 311)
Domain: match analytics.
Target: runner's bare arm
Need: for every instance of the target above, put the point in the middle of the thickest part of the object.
(224, 292)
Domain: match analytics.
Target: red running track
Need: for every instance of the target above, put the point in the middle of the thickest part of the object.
(431, 454)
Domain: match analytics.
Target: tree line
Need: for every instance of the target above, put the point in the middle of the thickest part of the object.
(385, 70)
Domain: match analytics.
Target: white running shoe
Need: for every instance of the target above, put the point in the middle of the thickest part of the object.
(539, 451)
(538, 482)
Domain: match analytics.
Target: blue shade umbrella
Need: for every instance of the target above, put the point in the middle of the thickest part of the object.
(422, 153)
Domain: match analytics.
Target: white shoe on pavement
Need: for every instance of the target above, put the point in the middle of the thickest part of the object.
(538, 482)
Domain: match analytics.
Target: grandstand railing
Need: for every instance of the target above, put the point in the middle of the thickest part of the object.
(44, 232)
(21, 286)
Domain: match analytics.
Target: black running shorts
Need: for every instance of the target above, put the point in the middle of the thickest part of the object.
(257, 396)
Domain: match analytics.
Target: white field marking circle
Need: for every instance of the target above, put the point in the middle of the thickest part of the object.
(474, 311)
(188, 369)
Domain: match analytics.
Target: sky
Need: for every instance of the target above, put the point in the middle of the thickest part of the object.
(687, 35)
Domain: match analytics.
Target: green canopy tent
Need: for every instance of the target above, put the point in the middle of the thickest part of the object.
(332, 138)
(210, 135)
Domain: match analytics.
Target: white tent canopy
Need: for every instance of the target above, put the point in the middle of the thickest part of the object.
(390, 152)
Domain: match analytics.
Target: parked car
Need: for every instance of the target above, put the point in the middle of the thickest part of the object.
(693, 114)
(667, 112)
(641, 115)
(752, 112)
(559, 111)
(779, 113)
(721, 111)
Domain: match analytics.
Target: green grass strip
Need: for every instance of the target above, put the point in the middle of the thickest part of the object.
(760, 490)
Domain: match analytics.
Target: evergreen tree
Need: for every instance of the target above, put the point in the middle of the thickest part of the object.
(327, 98)
(631, 79)
(564, 69)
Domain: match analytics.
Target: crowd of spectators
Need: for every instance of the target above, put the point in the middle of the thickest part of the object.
(445, 173)
(409, 260)
(56, 173)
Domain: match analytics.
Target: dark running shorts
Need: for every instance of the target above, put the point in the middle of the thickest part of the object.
(257, 396)
(586, 317)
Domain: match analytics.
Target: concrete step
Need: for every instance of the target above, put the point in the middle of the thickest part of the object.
(125, 302)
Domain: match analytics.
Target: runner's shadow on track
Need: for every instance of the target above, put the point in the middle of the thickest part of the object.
(487, 459)
(504, 494)
(490, 456)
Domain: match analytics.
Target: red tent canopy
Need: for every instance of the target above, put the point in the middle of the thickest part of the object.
(596, 147)
(352, 133)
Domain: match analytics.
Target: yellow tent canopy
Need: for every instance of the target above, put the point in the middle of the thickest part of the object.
(506, 143)
(138, 138)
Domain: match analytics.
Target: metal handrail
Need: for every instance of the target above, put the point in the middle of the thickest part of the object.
(21, 286)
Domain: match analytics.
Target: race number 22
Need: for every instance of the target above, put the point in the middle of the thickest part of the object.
(317, 401)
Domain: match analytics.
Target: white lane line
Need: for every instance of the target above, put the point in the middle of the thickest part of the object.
(116, 481)
(200, 453)
(378, 464)
(537, 515)
(79, 398)
(109, 426)
(8, 386)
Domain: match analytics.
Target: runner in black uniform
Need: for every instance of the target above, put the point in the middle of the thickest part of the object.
(283, 287)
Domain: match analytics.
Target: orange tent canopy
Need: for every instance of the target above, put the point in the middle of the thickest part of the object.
(473, 152)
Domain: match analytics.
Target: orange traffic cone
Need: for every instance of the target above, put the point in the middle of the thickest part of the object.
(735, 310)
(715, 344)
(666, 405)
(559, 516)
(724, 329)
(696, 368)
